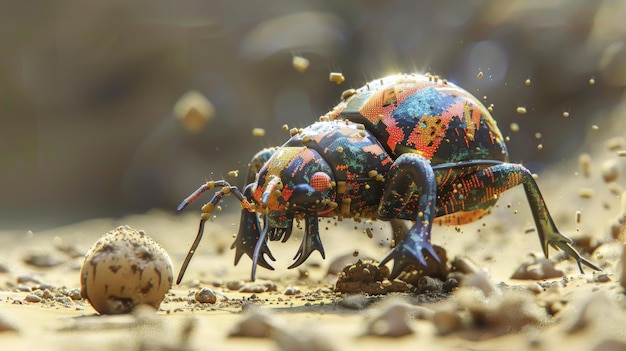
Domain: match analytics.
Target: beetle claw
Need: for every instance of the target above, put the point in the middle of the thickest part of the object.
(247, 240)
(400, 262)
(310, 242)
(241, 248)
(404, 256)
(570, 251)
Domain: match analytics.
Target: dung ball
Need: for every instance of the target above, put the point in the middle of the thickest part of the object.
(123, 269)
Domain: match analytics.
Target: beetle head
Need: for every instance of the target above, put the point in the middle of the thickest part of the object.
(294, 181)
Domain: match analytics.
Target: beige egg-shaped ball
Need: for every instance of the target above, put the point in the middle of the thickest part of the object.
(123, 269)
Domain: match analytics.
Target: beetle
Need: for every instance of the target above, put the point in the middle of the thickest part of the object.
(405, 147)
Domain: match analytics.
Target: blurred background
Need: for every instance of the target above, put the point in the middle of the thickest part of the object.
(88, 89)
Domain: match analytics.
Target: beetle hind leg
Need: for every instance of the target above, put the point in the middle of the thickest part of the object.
(479, 190)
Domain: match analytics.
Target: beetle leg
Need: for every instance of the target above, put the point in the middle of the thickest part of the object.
(310, 242)
(485, 185)
(249, 237)
(410, 175)
(399, 230)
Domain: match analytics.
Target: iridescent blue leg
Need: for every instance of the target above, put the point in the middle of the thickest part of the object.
(410, 178)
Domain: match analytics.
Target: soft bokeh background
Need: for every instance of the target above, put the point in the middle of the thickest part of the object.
(87, 88)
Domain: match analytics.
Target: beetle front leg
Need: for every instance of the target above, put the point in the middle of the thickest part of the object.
(411, 176)
(485, 185)
(249, 231)
(248, 236)
(310, 242)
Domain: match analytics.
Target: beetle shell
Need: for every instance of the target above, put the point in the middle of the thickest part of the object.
(436, 119)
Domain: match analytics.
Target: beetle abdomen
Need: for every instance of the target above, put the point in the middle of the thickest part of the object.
(415, 113)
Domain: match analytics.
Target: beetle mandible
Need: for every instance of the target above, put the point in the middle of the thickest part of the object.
(401, 148)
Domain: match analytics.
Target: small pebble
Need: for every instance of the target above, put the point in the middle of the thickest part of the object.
(75, 294)
(47, 295)
(446, 322)
(305, 338)
(602, 277)
(537, 269)
(354, 302)
(291, 290)
(521, 110)
(257, 323)
(390, 320)
(234, 284)
(428, 284)
(43, 259)
(449, 285)
(25, 279)
(258, 286)
(32, 298)
(482, 281)
(205, 295)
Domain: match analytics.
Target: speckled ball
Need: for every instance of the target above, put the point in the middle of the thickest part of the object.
(123, 269)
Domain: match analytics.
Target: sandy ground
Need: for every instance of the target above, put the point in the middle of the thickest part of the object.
(301, 310)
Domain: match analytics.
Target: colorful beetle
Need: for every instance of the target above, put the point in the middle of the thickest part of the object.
(404, 147)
